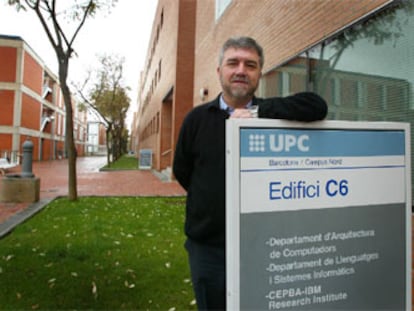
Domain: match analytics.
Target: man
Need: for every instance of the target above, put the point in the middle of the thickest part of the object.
(199, 162)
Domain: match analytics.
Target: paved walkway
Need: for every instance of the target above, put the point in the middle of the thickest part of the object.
(90, 182)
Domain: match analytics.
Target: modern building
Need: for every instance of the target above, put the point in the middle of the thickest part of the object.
(96, 134)
(96, 144)
(357, 54)
(166, 89)
(32, 106)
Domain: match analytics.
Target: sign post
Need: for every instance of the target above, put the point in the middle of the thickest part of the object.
(145, 159)
(318, 215)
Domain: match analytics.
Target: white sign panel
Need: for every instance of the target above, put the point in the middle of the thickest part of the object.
(145, 159)
(318, 215)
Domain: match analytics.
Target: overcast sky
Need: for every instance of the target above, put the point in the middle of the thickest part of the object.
(125, 31)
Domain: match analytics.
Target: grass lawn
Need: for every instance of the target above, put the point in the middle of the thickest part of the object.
(99, 253)
(124, 162)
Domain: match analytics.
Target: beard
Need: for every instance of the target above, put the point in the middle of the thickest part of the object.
(238, 92)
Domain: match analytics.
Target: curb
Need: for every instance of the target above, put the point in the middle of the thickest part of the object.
(16, 219)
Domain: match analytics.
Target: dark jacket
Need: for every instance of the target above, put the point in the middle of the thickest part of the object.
(199, 161)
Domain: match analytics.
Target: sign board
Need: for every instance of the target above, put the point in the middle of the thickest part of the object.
(145, 159)
(318, 215)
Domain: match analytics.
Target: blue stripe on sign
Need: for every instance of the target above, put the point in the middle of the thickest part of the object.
(256, 142)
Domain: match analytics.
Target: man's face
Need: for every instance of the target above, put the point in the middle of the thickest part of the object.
(239, 75)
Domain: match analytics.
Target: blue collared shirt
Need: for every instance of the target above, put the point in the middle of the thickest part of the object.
(230, 110)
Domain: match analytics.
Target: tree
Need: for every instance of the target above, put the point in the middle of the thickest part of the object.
(105, 93)
(53, 17)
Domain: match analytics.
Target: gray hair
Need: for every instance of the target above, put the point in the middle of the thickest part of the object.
(242, 43)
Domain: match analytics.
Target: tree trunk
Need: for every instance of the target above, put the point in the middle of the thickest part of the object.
(69, 139)
(108, 147)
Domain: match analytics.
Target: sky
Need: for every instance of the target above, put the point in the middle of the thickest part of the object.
(124, 31)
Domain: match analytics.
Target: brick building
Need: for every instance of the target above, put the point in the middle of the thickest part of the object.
(285, 29)
(166, 89)
(31, 105)
(356, 54)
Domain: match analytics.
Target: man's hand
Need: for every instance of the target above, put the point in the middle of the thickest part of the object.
(243, 113)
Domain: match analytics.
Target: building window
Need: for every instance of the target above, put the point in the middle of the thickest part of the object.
(366, 86)
(159, 70)
(366, 73)
(221, 6)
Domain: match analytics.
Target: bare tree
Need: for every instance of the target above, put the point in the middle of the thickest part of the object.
(53, 17)
(105, 93)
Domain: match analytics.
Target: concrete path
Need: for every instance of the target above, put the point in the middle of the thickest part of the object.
(90, 182)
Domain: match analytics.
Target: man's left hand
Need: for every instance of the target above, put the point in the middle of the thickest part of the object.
(241, 113)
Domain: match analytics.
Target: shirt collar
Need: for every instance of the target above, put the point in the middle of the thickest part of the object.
(225, 107)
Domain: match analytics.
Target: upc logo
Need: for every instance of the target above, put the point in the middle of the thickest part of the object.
(278, 143)
(257, 143)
